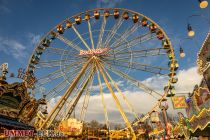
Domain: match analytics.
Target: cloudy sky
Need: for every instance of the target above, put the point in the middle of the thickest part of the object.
(24, 22)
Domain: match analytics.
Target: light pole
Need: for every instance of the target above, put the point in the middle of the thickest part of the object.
(154, 117)
(164, 106)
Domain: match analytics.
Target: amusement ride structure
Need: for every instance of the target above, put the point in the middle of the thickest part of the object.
(99, 47)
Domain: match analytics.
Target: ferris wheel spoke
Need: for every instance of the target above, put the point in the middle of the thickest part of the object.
(112, 32)
(79, 94)
(76, 91)
(138, 66)
(128, 124)
(71, 108)
(81, 38)
(69, 102)
(57, 51)
(62, 100)
(63, 84)
(51, 78)
(135, 54)
(145, 66)
(61, 51)
(86, 101)
(64, 114)
(132, 81)
(101, 33)
(135, 41)
(58, 73)
(103, 101)
(67, 41)
(60, 116)
(124, 97)
(60, 87)
(57, 63)
(91, 35)
(125, 34)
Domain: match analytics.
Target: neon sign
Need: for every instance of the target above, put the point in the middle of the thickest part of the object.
(98, 51)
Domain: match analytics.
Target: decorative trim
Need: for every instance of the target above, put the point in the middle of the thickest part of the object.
(201, 67)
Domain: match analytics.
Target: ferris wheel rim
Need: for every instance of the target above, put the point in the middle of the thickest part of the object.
(123, 9)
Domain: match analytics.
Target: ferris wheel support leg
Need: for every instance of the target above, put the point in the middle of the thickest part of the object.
(117, 102)
(103, 102)
(71, 108)
(86, 101)
(62, 100)
(124, 97)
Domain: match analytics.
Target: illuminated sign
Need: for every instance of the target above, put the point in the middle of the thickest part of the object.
(71, 127)
(18, 133)
(98, 51)
(179, 102)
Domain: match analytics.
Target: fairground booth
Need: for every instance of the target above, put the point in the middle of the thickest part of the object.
(197, 123)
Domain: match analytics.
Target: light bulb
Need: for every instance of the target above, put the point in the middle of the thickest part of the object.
(182, 55)
(191, 33)
(203, 4)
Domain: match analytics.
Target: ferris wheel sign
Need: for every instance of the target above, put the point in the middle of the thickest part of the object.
(94, 51)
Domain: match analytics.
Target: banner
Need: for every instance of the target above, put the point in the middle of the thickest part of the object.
(179, 102)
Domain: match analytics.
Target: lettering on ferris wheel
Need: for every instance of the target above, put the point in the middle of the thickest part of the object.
(98, 51)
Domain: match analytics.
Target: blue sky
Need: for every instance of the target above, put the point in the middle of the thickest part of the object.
(24, 22)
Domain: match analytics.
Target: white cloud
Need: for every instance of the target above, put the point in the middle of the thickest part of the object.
(17, 49)
(52, 103)
(188, 79)
(141, 102)
(156, 82)
(97, 87)
(13, 47)
(34, 39)
(95, 106)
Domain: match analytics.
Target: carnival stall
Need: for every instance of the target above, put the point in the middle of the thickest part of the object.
(197, 122)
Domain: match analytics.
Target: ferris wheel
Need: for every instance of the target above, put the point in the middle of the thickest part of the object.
(101, 47)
